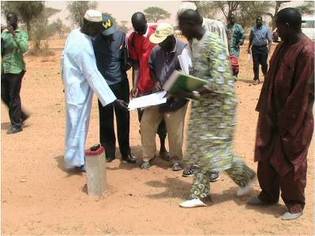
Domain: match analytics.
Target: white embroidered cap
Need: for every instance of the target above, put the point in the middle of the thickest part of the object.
(93, 16)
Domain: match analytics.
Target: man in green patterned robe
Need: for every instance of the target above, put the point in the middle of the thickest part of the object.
(212, 120)
(235, 34)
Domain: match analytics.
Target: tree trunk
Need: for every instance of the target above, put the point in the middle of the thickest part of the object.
(28, 28)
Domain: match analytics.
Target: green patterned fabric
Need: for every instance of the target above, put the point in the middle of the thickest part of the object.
(235, 34)
(14, 48)
(212, 120)
(239, 173)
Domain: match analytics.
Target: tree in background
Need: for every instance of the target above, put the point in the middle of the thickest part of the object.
(306, 8)
(247, 11)
(250, 10)
(123, 26)
(77, 10)
(26, 10)
(153, 14)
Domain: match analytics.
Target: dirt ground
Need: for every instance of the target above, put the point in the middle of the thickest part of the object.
(40, 198)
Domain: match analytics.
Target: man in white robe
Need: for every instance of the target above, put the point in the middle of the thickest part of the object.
(82, 78)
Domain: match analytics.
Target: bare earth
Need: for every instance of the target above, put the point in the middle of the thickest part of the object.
(40, 198)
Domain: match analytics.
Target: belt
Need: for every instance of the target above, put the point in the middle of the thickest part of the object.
(260, 46)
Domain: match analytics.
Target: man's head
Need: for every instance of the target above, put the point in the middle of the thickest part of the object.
(164, 36)
(190, 23)
(259, 21)
(186, 6)
(288, 22)
(108, 26)
(92, 23)
(232, 19)
(12, 20)
(139, 22)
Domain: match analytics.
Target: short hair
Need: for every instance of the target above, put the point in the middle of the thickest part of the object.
(138, 16)
(191, 16)
(290, 16)
(12, 15)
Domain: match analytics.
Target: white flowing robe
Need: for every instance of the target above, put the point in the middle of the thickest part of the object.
(81, 77)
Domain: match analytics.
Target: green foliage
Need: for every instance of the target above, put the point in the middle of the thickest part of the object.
(51, 11)
(245, 11)
(153, 14)
(77, 10)
(249, 11)
(26, 10)
(307, 8)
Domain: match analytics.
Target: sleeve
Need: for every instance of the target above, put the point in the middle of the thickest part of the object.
(251, 36)
(87, 64)
(152, 65)
(131, 48)
(21, 40)
(220, 79)
(241, 34)
(292, 116)
(269, 35)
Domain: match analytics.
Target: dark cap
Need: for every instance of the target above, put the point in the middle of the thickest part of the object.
(108, 25)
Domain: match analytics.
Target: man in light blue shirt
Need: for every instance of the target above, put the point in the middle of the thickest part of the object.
(260, 40)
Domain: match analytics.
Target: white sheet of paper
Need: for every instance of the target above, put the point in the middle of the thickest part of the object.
(185, 61)
(147, 100)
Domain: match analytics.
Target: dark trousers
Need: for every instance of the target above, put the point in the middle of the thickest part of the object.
(10, 95)
(260, 57)
(161, 131)
(106, 121)
(291, 186)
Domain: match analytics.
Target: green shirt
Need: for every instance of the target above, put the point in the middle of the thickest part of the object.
(14, 47)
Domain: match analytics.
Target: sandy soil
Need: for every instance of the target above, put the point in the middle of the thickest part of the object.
(40, 198)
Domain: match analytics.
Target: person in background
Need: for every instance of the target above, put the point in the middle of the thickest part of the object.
(14, 43)
(212, 120)
(140, 48)
(260, 40)
(81, 78)
(286, 121)
(235, 33)
(109, 49)
(163, 62)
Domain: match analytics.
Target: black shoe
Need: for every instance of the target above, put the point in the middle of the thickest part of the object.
(13, 130)
(24, 117)
(129, 159)
(190, 170)
(110, 159)
(214, 176)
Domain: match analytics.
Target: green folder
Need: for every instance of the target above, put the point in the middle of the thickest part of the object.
(179, 81)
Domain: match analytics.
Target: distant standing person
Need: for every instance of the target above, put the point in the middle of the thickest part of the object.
(110, 52)
(14, 43)
(286, 121)
(260, 40)
(82, 78)
(235, 33)
(140, 49)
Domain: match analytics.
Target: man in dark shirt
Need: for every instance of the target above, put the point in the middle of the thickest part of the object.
(109, 50)
(163, 62)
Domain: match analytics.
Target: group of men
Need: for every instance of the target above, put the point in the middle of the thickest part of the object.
(97, 56)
